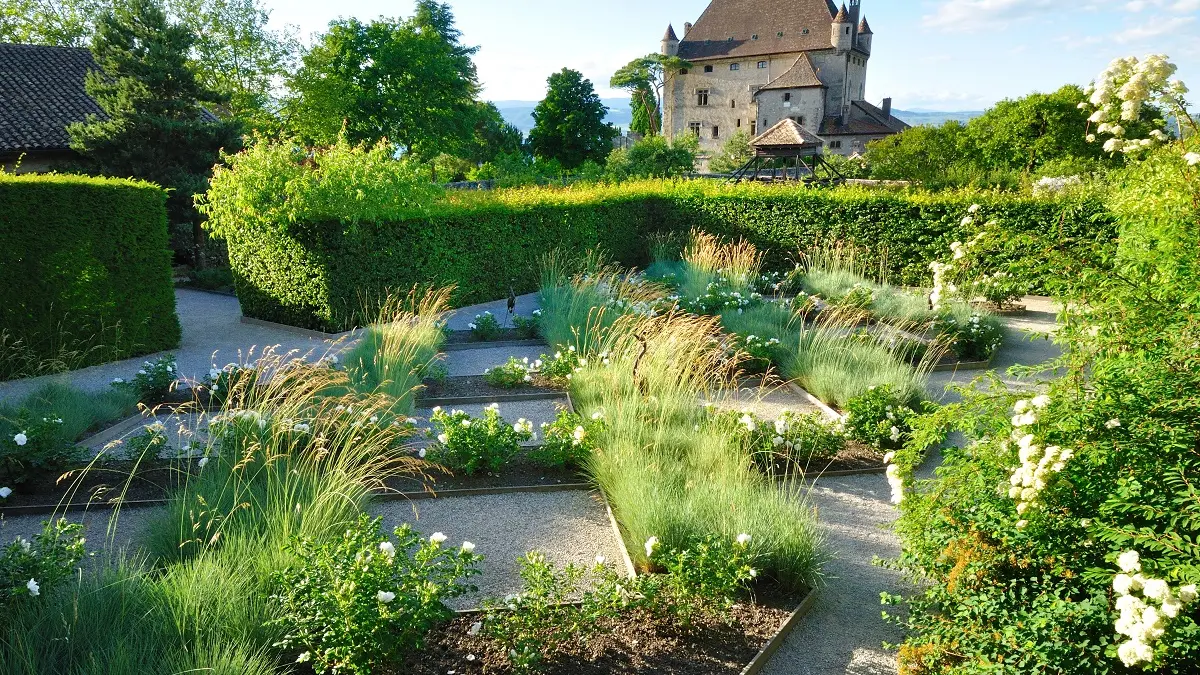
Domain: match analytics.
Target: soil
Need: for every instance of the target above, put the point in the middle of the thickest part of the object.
(130, 481)
(638, 643)
(477, 386)
(519, 472)
(854, 457)
(458, 337)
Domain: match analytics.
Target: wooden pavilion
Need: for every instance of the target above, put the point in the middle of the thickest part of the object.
(787, 142)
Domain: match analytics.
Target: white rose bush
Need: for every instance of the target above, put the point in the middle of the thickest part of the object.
(1063, 534)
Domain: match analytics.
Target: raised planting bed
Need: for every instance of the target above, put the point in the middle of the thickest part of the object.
(1014, 309)
(457, 340)
(520, 471)
(475, 389)
(129, 482)
(854, 458)
(635, 643)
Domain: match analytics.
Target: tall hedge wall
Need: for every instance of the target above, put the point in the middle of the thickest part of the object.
(84, 269)
(317, 275)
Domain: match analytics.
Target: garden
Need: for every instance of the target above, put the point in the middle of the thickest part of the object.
(616, 472)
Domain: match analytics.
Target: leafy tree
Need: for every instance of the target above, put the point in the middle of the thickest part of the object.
(569, 123)
(654, 157)
(1024, 133)
(406, 80)
(493, 135)
(734, 154)
(922, 153)
(237, 55)
(154, 127)
(645, 78)
(65, 23)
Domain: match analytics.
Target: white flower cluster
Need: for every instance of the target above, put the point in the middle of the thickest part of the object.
(1119, 94)
(1144, 619)
(1192, 158)
(1048, 185)
(941, 288)
(893, 473)
(1037, 465)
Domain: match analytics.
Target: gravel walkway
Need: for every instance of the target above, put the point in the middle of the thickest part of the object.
(101, 532)
(458, 319)
(566, 526)
(213, 333)
(767, 402)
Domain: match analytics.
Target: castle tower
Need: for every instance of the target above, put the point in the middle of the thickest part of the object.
(854, 13)
(841, 35)
(864, 36)
(670, 43)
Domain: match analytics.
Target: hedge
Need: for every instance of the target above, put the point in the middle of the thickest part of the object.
(85, 272)
(320, 274)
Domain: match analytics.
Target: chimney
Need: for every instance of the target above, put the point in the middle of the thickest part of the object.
(887, 107)
(687, 26)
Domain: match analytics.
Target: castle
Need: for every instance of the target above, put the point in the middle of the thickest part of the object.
(753, 63)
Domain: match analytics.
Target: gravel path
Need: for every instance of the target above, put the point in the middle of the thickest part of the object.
(767, 402)
(99, 529)
(212, 334)
(459, 318)
(566, 526)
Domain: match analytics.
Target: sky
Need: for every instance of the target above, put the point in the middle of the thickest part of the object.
(948, 55)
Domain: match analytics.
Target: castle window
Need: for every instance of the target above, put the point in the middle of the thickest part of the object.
(799, 119)
(847, 30)
(701, 97)
(762, 64)
(836, 145)
(683, 71)
(753, 127)
(787, 96)
(732, 103)
(694, 127)
(716, 131)
(804, 32)
(708, 69)
(739, 123)
(754, 37)
(735, 66)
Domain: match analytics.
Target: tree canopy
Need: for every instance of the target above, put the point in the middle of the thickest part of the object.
(409, 81)
(64, 23)
(155, 127)
(569, 123)
(645, 78)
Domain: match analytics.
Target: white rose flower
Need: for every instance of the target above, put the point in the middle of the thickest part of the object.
(1040, 401)
(34, 589)
(437, 538)
(388, 549)
(1112, 424)
(21, 438)
(743, 539)
(651, 545)
(385, 596)
(5, 492)
(1192, 158)
(468, 547)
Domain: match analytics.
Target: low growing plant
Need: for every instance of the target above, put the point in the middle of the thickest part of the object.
(563, 365)
(793, 439)
(971, 336)
(879, 418)
(29, 569)
(473, 445)
(485, 327)
(31, 443)
(568, 441)
(362, 602)
(154, 380)
(511, 374)
(527, 326)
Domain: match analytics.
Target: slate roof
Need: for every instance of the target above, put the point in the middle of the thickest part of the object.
(801, 74)
(864, 28)
(669, 36)
(41, 92)
(865, 119)
(786, 133)
(842, 15)
(727, 27)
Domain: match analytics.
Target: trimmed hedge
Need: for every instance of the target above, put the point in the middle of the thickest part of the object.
(319, 275)
(85, 272)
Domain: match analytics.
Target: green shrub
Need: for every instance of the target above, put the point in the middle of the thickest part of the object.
(473, 445)
(85, 272)
(153, 381)
(971, 335)
(485, 327)
(510, 375)
(361, 602)
(792, 440)
(879, 418)
(527, 326)
(569, 440)
(31, 444)
(29, 569)
(315, 271)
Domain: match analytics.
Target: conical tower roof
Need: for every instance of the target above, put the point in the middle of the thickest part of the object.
(842, 16)
(670, 35)
(863, 27)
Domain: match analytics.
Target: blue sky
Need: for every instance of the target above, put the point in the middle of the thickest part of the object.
(949, 55)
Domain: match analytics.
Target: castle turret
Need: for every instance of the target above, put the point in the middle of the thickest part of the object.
(670, 42)
(864, 36)
(841, 35)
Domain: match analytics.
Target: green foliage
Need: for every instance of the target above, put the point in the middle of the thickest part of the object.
(85, 274)
(407, 81)
(971, 336)
(653, 157)
(790, 442)
(879, 418)
(644, 78)
(999, 532)
(734, 154)
(32, 444)
(64, 23)
(485, 327)
(80, 411)
(153, 381)
(569, 123)
(238, 56)
(703, 577)
(29, 569)
(647, 117)
(472, 445)
(527, 326)
(569, 440)
(561, 366)
(509, 375)
(362, 602)
(154, 126)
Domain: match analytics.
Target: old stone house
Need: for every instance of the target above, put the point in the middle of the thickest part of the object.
(753, 63)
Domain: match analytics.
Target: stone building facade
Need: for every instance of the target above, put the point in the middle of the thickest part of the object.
(753, 63)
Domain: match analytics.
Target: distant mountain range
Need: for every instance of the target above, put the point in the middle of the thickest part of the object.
(520, 114)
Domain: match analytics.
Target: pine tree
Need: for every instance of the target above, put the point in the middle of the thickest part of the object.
(154, 127)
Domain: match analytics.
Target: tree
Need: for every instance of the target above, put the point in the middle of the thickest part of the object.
(647, 119)
(493, 135)
(922, 153)
(569, 123)
(237, 55)
(1024, 133)
(734, 154)
(64, 23)
(645, 78)
(154, 127)
(406, 80)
